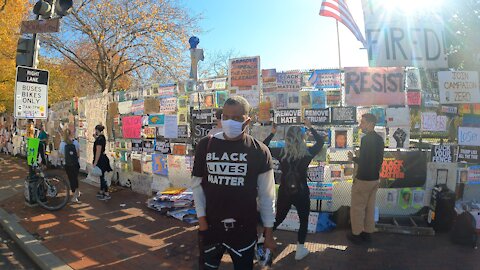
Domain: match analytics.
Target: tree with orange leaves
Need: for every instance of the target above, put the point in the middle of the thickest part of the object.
(111, 39)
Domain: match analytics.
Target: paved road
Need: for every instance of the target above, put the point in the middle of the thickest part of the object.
(12, 256)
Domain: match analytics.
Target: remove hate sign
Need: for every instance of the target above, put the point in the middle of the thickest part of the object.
(288, 117)
(374, 86)
(31, 93)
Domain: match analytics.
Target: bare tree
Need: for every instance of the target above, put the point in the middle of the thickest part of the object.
(3, 5)
(216, 63)
(110, 39)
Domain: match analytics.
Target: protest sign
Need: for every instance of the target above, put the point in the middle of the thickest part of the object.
(156, 119)
(458, 87)
(442, 153)
(374, 86)
(137, 107)
(379, 113)
(320, 191)
(413, 79)
(290, 81)
(244, 73)
(469, 136)
(163, 146)
(149, 132)
(168, 105)
(403, 169)
(151, 105)
(125, 107)
(182, 131)
(399, 137)
(252, 96)
(305, 101)
(32, 150)
(398, 117)
(328, 78)
(137, 145)
(315, 174)
(205, 116)
(148, 146)
(269, 80)
(334, 97)
(292, 222)
(433, 122)
(318, 99)
(171, 126)
(414, 98)
(131, 127)
(292, 100)
(318, 116)
(220, 98)
(344, 115)
(159, 164)
(474, 174)
(469, 154)
(264, 112)
(288, 117)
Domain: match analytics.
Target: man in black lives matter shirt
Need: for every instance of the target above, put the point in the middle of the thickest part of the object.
(231, 170)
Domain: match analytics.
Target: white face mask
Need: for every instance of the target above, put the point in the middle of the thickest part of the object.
(232, 128)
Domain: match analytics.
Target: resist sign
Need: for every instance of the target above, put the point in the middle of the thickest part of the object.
(31, 93)
(374, 86)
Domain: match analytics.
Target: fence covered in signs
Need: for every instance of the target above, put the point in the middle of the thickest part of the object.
(152, 131)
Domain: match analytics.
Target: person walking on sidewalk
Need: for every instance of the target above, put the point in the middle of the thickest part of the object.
(43, 137)
(101, 160)
(231, 170)
(365, 184)
(70, 148)
(295, 157)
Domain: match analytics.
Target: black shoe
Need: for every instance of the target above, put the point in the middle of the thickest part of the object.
(367, 237)
(355, 239)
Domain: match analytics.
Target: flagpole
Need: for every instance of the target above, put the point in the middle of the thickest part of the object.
(338, 44)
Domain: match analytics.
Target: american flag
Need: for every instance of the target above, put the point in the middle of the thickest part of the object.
(338, 10)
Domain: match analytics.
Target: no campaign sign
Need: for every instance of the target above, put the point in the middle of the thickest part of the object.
(31, 93)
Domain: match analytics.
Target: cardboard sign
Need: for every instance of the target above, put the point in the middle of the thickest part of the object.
(159, 164)
(321, 191)
(374, 86)
(244, 72)
(433, 122)
(290, 81)
(328, 78)
(469, 136)
(131, 127)
(442, 153)
(288, 117)
(469, 154)
(151, 105)
(344, 115)
(318, 116)
(458, 87)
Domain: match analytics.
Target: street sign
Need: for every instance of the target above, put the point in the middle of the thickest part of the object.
(40, 26)
(31, 93)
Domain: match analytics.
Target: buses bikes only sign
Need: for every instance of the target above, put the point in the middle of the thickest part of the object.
(31, 93)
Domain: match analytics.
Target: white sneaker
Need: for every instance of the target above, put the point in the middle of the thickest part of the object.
(301, 252)
(78, 193)
(75, 200)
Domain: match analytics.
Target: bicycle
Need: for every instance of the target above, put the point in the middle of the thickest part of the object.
(51, 191)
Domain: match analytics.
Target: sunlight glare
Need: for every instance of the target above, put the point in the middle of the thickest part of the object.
(412, 6)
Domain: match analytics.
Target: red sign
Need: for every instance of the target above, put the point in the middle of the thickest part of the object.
(132, 127)
(244, 72)
(414, 98)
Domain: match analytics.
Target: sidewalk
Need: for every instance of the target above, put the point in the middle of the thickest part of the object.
(103, 235)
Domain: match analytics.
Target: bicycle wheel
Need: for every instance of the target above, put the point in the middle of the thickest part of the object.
(53, 192)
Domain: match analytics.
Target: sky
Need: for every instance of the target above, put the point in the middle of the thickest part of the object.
(287, 34)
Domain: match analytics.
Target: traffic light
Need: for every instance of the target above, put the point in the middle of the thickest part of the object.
(26, 52)
(49, 8)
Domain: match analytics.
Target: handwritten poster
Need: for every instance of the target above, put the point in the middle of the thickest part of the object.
(290, 81)
(168, 105)
(163, 146)
(156, 119)
(469, 136)
(458, 87)
(269, 80)
(433, 122)
(365, 86)
(318, 116)
(344, 115)
(171, 126)
(159, 164)
(288, 117)
(244, 73)
(132, 127)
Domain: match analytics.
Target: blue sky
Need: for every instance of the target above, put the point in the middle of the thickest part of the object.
(285, 34)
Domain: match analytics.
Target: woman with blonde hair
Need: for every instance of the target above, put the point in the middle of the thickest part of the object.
(294, 160)
(70, 148)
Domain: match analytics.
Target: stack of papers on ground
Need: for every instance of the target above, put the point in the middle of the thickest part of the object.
(175, 202)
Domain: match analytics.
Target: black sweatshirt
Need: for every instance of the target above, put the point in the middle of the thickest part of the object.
(371, 157)
(301, 165)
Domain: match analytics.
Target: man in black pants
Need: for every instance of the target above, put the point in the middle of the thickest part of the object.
(232, 170)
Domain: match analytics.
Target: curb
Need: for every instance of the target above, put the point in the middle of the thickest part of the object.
(40, 255)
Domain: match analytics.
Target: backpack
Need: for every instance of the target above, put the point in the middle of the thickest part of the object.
(292, 183)
(71, 157)
(464, 230)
